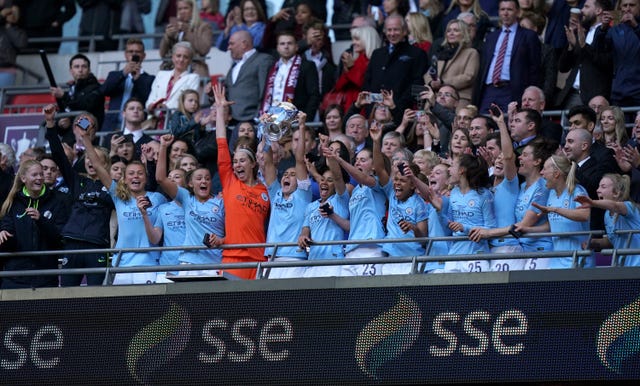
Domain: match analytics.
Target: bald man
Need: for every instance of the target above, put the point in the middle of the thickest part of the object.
(247, 77)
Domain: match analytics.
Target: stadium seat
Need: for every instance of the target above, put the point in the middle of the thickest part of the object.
(28, 103)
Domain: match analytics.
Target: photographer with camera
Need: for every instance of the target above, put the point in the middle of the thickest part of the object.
(131, 81)
(88, 225)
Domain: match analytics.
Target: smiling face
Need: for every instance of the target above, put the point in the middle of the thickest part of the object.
(550, 173)
(178, 149)
(249, 12)
(478, 131)
(181, 59)
(135, 178)
(33, 179)
(394, 29)
(357, 129)
(200, 182)
(498, 166)
(608, 121)
(243, 166)
(327, 185)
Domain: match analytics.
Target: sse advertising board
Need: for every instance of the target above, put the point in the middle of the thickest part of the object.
(461, 333)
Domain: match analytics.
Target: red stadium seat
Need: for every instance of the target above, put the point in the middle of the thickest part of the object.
(28, 103)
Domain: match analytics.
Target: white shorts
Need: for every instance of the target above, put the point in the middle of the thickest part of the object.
(508, 264)
(363, 269)
(286, 272)
(134, 278)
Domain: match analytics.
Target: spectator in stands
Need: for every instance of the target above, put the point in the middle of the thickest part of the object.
(524, 128)
(578, 148)
(464, 115)
(210, 12)
(582, 117)
(132, 117)
(333, 121)
(289, 199)
(166, 10)
(357, 128)
(623, 43)
(203, 211)
(186, 123)
(246, 80)
(188, 28)
(458, 63)
(597, 104)
(563, 212)
(243, 223)
(318, 52)
(458, 6)
(84, 90)
(613, 127)
(585, 57)
(132, 81)
(88, 225)
(292, 79)
(348, 12)
(423, 133)
(396, 66)
(621, 214)
(168, 85)
(548, 57)
(289, 19)
(131, 16)
(7, 162)
(534, 98)
(479, 128)
(31, 219)
(12, 39)
(101, 17)
(504, 75)
(358, 21)
(419, 31)
(364, 40)
(443, 106)
(126, 194)
(46, 22)
(253, 20)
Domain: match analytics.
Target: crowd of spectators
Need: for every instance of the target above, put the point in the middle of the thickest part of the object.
(430, 124)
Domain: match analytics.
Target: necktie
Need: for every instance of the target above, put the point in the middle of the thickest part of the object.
(497, 69)
(126, 94)
(391, 47)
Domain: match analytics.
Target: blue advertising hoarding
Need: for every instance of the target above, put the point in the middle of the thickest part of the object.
(537, 331)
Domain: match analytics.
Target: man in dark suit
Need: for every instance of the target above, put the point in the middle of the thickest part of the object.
(292, 78)
(247, 78)
(585, 56)
(578, 149)
(510, 61)
(130, 82)
(397, 66)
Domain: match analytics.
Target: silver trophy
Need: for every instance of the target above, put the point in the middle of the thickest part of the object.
(279, 120)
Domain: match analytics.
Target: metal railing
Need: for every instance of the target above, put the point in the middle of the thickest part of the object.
(418, 263)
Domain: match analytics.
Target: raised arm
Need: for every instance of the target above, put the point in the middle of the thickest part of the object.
(508, 155)
(301, 168)
(103, 173)
(378, 158)
(220, 104)
(334, 166)
(167, 185)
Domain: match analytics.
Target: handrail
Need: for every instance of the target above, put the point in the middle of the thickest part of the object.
(266, 265)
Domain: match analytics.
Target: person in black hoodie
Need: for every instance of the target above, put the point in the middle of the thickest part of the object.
(32, 217)
(88, 225)
(84, 90)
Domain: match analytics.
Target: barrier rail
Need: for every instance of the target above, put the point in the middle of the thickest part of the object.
(417, 262)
